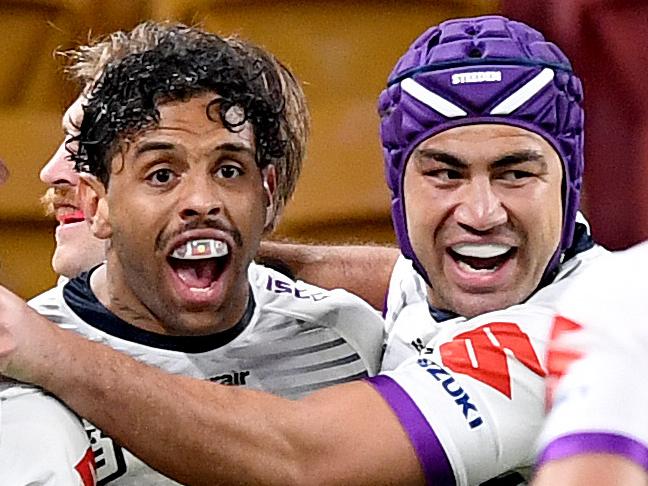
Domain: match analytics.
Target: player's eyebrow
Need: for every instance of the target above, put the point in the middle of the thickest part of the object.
(236, 147)
(440, 156)
(159, 145)
(519, 157)
(153, 146)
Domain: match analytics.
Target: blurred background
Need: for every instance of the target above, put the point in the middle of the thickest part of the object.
(343, 51)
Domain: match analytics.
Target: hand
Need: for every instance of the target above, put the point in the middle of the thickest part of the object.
(28, 342)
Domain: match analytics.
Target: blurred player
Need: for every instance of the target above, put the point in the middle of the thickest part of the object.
(597, 432)
(42, 443)
(200, 149)
(482, 130)
(77, 250)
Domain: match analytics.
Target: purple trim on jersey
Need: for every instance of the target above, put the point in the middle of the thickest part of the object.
(595, 442)
(384, 309)
(430, 453)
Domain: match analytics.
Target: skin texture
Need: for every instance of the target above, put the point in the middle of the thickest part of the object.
(187, 178)
(483, 184)
(589, 469)
(77, 250)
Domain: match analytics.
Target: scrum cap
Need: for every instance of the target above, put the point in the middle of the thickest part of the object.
(482, 70)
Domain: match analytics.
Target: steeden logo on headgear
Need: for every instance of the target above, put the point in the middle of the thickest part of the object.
(477, 77)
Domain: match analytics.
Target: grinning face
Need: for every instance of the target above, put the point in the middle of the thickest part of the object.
(77, 250)
(484, 214)
(184, 210)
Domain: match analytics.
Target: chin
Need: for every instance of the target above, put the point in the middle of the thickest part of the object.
(71, 261)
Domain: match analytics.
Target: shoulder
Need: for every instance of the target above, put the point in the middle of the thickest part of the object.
(611, 290)
(346, 315)
(275, 292)
(50, 300)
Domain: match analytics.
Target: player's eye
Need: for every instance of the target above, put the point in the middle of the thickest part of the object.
(161, 177)
(229, 172)
(516, 175)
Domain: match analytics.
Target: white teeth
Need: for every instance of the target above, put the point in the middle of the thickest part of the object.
(199, 249)
(467, 268)
(480, 250)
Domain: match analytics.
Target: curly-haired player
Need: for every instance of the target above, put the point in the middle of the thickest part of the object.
(77, 249)
(188, 149)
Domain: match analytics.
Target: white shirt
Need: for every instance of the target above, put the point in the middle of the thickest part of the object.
(600, 403)
(295, 338)
(470, 392)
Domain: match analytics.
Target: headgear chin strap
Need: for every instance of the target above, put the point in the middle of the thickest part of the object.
(482, 70)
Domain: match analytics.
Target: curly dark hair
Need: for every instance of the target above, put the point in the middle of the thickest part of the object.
(125, 99)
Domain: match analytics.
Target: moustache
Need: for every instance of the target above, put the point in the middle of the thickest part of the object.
(58, 196)
(163, 239)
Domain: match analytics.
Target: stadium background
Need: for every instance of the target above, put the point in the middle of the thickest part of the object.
(343, 50)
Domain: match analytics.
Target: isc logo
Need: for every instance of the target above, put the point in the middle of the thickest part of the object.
(281, 287)
(477, 77)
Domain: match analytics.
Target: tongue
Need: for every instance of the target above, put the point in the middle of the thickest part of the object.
(72, 217)
(197, 273)
(484, 263)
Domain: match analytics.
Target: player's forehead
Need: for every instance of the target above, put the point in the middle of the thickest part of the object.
(73, 116)
(486, 142)
(194, 126)
(499, 136)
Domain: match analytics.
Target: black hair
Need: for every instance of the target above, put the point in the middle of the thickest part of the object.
(125, 99)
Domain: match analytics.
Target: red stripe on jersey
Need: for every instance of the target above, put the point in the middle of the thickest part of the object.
(480, 354)
(86, 468)
(559, 359)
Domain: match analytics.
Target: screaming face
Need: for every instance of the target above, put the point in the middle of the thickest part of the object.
(184, 211)
(484, 214)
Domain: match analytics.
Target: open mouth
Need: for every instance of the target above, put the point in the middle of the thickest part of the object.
(199, 263)
(68, 215)
(481, 258)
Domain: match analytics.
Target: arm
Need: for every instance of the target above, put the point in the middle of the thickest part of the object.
(362, 270)
(590, 469)
(202, 433)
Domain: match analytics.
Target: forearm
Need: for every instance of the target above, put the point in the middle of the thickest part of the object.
(194, 431)
(592, 469)
(361, 269)
(198, 432)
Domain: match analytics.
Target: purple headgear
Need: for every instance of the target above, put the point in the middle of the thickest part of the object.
(482, 70)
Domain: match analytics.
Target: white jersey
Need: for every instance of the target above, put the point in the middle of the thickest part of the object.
(294, 338)
(470, 392)
(600, 404)
(42, 443)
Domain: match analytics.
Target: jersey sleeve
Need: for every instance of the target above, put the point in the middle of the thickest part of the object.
(596, 356)
(474, 406)
(42, 443)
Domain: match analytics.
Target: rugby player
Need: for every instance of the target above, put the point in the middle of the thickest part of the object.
(485, 174)
(196, 166)
(76, 250)
(41, 441)
(597, 431)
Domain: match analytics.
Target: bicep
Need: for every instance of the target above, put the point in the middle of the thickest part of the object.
(351, 436)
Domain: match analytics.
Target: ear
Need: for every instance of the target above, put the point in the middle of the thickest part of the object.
(93, 201)
(269, 176)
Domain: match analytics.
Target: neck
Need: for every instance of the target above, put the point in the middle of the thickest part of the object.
(112, 290)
